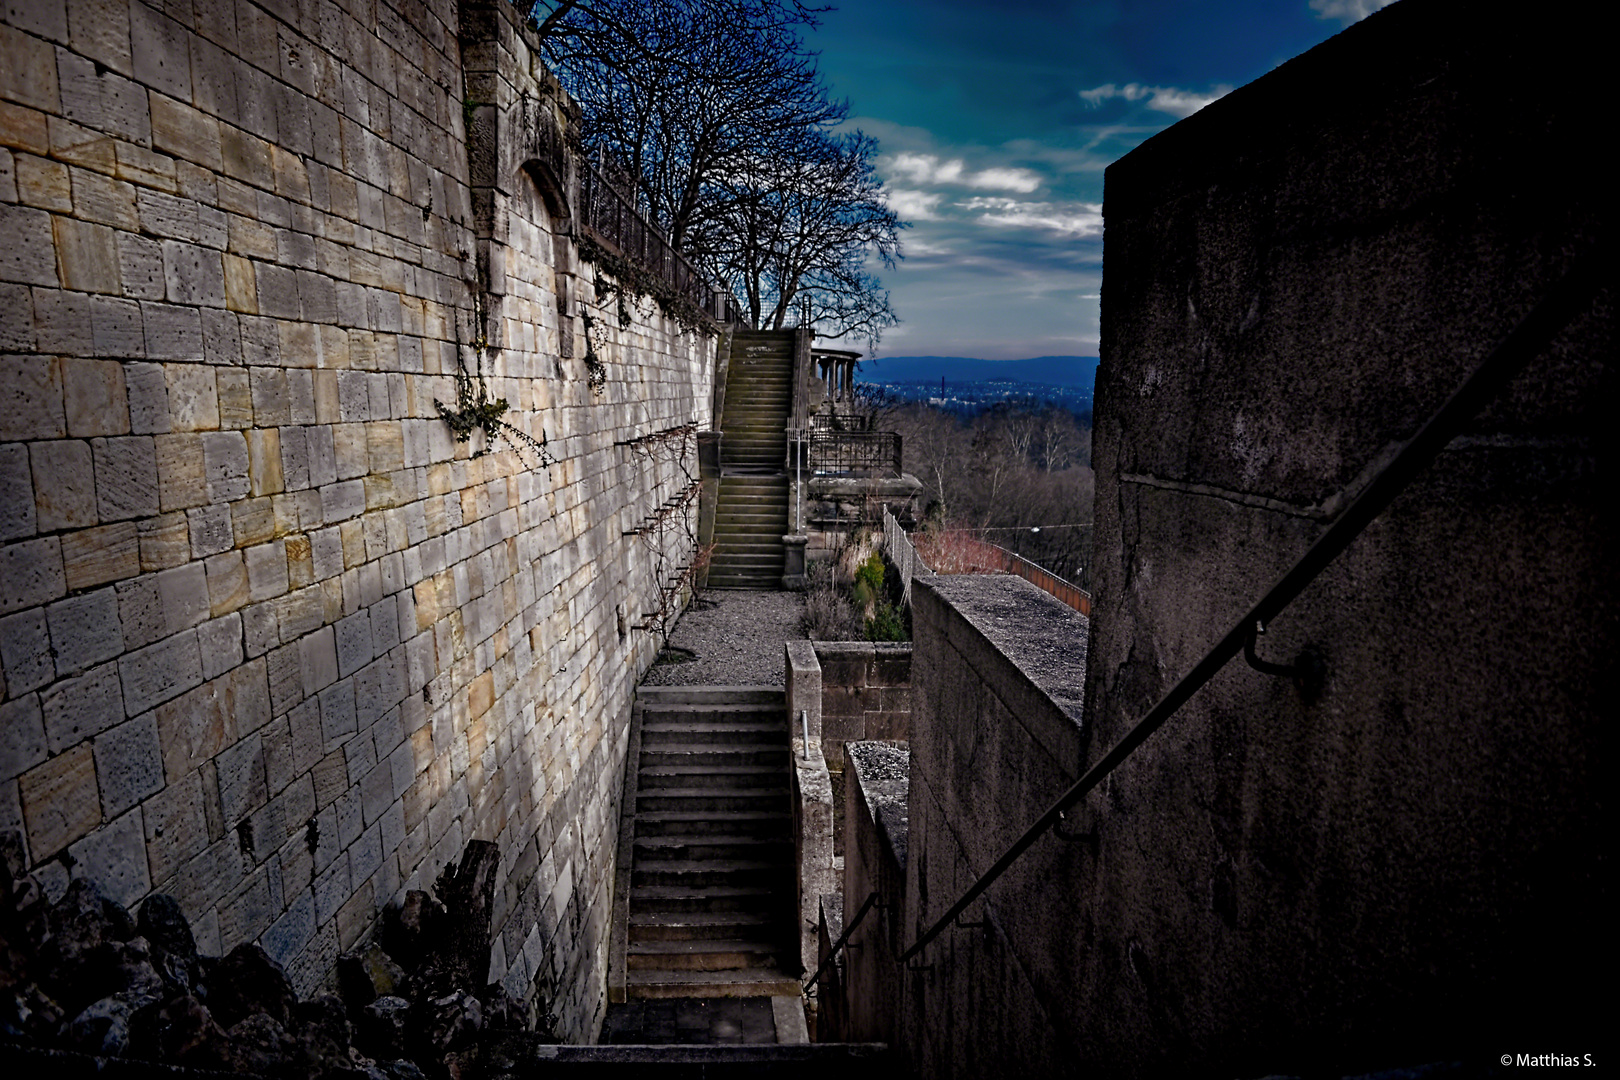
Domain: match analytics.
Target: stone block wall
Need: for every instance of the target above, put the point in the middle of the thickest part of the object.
(271, 640)
(865, 694)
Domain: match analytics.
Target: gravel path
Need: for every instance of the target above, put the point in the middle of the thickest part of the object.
(737, 635)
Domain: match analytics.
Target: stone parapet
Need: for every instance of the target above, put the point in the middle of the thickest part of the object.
(865, 693)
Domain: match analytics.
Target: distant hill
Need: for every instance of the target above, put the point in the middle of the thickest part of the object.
(1078, 371)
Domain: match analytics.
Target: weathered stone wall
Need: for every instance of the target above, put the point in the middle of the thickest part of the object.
(876, 829)
(841, 514)
(271, 640)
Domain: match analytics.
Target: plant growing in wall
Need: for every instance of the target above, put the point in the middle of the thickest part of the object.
(667, 452)
(476, 410)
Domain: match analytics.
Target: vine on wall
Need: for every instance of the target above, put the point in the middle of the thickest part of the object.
(670, 521)
(476, 410)
(631, 279)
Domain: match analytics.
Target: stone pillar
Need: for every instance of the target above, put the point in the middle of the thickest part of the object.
(793, 560)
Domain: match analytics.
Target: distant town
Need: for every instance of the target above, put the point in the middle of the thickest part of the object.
(968, 387)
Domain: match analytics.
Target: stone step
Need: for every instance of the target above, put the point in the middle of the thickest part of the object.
(752, 505)
(714, 954)
(746, 582)
(706, 849)
(700, 800)
(683, 899)
(699, 925)
(744, 982)
(755, 728)
(666, 713)
(752, 485)
(747, 564)
(669, 732)
(730, 777)
(753, 435)
(660, 755)
(712, 697)
(743, 527)
(745, 544)
(677, 823)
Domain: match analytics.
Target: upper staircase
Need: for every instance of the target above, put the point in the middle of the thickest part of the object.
(751, 513)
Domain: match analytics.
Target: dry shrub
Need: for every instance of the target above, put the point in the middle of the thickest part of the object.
(828, 613)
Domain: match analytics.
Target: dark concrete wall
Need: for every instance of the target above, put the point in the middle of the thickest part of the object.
(1409, 866)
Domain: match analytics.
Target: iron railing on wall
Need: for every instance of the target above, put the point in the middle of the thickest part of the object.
(610, 217)
(903, 555)
(867, 453)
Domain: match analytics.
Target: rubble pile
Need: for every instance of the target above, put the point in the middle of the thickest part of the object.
(84, 975)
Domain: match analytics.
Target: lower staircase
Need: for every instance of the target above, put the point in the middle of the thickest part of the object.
(705, 901)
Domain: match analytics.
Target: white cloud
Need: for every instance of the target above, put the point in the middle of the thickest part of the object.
(1069, 219)
(1347, 11)
(1169, 99)
(914, 205)
(921, 249)
(929, 169)
(1019, 180)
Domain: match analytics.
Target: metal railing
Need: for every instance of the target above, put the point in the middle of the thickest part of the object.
(1578, 288)
(610, 216)
(857, 452)
(903, 555)
(843, 939)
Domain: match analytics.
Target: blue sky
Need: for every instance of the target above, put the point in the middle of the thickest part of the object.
(996, 123)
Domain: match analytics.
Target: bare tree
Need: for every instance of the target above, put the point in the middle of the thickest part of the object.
(718, 113)
(798, 228)
(1061, 440)
(685, 91)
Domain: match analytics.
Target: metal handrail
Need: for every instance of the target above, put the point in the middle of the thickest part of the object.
(843, 939)
(1578, 287)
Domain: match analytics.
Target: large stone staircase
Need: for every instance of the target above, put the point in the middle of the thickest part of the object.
(705, 904)
(751, 511)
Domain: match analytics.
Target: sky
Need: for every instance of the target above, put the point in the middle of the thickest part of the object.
(995, 124)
